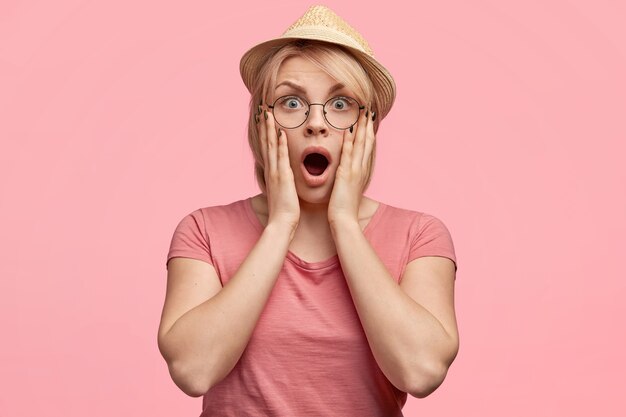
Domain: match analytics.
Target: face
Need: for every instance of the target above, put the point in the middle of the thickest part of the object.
(299, 76)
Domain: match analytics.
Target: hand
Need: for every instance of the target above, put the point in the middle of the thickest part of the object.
(351, 175)
(282, 199)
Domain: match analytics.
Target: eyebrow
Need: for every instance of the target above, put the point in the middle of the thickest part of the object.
(296, 87)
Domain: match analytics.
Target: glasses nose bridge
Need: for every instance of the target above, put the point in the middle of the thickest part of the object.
(308, 113)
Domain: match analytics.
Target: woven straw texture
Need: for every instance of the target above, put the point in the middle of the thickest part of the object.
(321, 16)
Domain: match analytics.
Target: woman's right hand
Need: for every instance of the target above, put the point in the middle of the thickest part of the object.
(282, 198)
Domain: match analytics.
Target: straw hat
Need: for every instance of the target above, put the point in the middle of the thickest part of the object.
(321, 23)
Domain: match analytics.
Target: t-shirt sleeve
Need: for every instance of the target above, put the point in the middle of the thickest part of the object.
(190, 239)
(432, 239)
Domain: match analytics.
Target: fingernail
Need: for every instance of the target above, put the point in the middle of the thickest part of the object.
(265, 114)
(351, 128)
(256, 119)
(373, 116)
(258, 110)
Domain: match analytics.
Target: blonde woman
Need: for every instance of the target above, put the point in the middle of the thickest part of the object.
(310, 299)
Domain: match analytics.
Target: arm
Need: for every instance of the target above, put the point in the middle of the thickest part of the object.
(204, 344)
(413, 343)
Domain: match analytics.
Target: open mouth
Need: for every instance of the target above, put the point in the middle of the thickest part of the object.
(315, 163)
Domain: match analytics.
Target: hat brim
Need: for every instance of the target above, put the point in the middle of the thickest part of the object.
(382, 80)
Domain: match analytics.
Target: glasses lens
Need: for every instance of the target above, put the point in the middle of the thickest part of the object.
(342, 112)
(290, 111)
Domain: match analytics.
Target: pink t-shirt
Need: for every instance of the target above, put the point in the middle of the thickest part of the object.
(308, 354)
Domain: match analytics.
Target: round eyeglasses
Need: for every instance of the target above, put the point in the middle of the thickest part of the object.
(292, 111)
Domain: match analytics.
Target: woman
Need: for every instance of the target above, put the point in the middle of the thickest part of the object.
(310, 298)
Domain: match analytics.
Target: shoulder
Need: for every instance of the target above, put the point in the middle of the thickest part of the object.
(418, 224)
(419, 217)
(206, 216)
(225, 209)
(395, 214)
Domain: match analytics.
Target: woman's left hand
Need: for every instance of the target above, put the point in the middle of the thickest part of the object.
(351, 173)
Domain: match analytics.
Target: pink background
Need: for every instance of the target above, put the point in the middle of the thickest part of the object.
(118, 118)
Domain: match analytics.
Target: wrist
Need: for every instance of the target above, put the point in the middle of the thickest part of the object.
(278, 230)
(343, 224)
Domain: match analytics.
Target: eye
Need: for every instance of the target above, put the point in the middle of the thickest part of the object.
(340, 103)
(291, 102)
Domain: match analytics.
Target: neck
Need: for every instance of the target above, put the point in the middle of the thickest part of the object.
(314, 215)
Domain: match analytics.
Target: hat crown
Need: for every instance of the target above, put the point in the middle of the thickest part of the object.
(321, 17)
(322, 24)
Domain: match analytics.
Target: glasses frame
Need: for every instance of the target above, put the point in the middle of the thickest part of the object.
(361, 107)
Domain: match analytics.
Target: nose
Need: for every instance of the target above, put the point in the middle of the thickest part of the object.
(316, 122)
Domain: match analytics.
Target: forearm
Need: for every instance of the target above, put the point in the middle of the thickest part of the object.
(409, 344)
(208, 340)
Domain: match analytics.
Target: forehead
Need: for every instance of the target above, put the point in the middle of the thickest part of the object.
(303, 71)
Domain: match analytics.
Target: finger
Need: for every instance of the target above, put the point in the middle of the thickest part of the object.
(262, 137)
(283, 152)
(370, 137)
(272, 146)
(359, 141)
(346, 148)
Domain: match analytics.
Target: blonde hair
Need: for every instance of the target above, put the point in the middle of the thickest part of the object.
(337, 62)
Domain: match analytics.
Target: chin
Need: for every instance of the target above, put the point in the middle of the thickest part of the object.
(315, 195)
(324, 201)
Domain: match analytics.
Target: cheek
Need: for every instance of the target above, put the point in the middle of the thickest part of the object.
(292, 156)
(294, 162)
(336, 158)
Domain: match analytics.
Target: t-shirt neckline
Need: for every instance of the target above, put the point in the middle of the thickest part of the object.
(333, 260)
